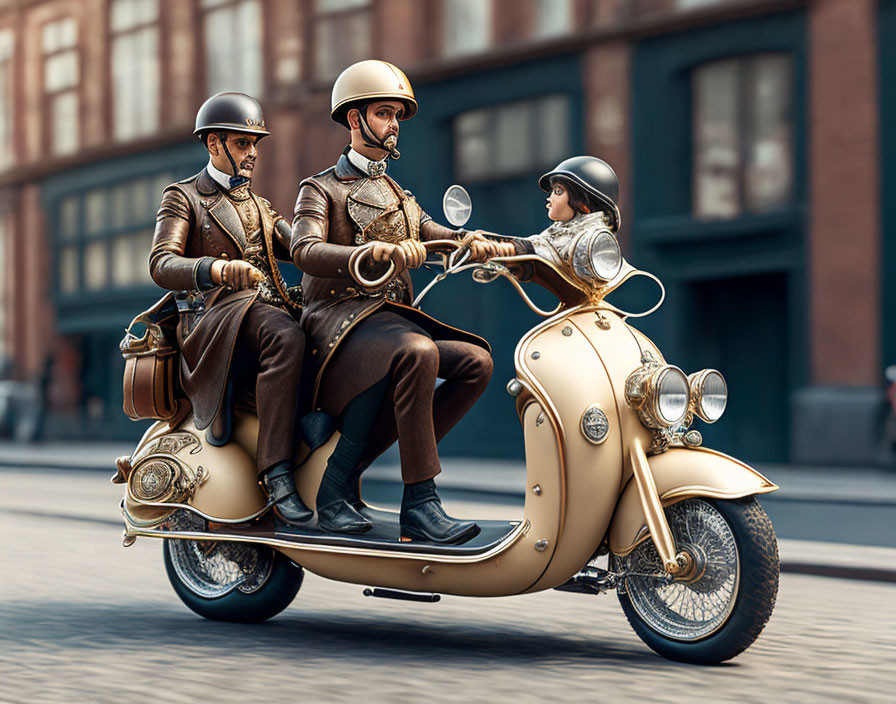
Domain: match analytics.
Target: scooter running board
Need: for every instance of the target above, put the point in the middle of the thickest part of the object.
(399, 594)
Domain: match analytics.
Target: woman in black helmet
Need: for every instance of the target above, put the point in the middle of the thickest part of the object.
(580, 190)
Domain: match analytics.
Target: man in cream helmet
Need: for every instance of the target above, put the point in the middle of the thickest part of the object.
(375, 359)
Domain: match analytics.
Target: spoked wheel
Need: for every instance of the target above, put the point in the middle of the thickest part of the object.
(227, 581)
(721, 602)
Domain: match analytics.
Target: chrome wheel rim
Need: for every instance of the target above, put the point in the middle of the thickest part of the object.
(211, 569)
(698, 603)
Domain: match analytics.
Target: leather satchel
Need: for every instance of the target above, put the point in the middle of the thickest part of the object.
(151, 363)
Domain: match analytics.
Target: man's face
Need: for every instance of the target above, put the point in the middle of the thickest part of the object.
(382, 118)
(242, 148)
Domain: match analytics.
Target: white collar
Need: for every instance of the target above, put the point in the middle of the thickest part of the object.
(222, 178)
(367, 166)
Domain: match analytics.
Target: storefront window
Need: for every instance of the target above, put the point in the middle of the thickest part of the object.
(342, 30)
(511, 139)
(742, 136)
(104, 236)
(233, 45)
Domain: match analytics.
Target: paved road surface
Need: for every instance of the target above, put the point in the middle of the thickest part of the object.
(82, 619)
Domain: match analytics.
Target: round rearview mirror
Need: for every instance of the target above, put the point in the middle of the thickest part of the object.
(457, 205)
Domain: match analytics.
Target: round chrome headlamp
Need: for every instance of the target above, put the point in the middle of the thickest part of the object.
(709, 394)
(672, 395)
(596, 256)
(661, 396)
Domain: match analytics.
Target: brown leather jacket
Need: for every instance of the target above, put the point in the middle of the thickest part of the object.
(336, 211)
(197, 224)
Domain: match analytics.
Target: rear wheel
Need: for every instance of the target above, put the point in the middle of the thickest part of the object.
(231, 581)
(722, 601)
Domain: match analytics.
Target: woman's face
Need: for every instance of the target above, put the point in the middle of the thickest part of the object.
(558, 205)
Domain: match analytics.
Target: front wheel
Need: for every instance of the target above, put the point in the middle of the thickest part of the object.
(723, 599)
(231, 581)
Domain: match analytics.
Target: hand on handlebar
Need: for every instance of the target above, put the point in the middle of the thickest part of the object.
(482, 248)
(409, 254)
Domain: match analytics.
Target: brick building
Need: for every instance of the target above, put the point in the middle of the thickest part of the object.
(746, 134)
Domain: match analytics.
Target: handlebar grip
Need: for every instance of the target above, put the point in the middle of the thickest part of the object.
(354, 263)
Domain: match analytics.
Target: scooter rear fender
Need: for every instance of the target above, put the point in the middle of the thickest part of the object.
(682, 473)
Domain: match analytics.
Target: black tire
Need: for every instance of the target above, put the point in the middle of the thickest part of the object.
(757, 587)
(276, 590)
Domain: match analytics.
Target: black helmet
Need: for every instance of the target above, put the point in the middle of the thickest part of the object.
(231, 112)
(594, 176)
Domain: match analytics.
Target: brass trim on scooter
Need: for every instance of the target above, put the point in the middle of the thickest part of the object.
(512, 537)
(653, 511)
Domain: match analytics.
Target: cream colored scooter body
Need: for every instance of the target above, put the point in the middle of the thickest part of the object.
(576, 491)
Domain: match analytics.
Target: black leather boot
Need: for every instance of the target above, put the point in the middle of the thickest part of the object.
(423, 518)
(335, 513)
(280, 486)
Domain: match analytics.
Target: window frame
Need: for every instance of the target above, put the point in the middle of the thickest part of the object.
(534, 103)
(48, 98)
(745, 67)
(202, 57)
(113, 35)
(317, 16)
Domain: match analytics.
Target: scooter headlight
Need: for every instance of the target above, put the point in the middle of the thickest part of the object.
(709, 394)
(596, 256)
(661, 396)
(672, 396)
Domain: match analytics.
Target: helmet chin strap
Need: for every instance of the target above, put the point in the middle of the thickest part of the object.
(236, 179)
(371, 140)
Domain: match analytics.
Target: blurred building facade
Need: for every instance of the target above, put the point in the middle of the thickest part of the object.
(750, 137)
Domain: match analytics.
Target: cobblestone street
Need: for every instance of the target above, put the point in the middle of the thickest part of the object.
(82, 619)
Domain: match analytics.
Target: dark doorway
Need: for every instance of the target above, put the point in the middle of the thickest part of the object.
(739, 326)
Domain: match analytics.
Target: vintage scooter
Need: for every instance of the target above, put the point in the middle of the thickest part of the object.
(615, 477)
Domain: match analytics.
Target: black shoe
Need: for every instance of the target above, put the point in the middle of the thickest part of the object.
(340, 517)
(280, 486)
(426, 519)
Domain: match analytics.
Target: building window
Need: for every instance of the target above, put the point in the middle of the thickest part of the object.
(552, 17)
(742, 136)
(341, 35)
(104, 236)
(6, 272)
(466, 26)
(233, 45)
(511, 139)
(7, 149)
(696, 4)
(135, 67)
(59, 42)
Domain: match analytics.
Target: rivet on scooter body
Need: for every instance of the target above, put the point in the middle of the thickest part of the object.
(514, 387)
(567, 331)
(536, 354)
(536, 489)
(541, 545)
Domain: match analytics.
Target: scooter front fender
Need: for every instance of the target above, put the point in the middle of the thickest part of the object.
(682, 473)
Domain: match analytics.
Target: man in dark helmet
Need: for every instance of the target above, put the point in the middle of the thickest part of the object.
(367, 343)
(220, 242)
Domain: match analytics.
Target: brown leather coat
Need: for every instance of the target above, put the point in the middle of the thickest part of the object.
(336, 211)
(197, 224)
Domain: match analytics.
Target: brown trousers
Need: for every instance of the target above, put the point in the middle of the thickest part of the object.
(267, 371)
(414, 411)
